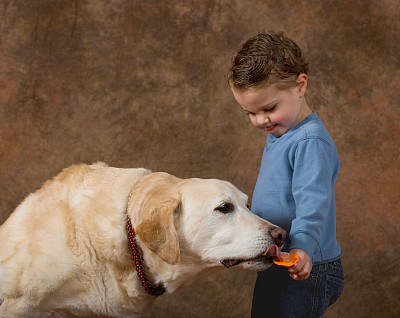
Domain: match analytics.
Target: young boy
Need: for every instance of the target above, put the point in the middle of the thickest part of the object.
(295, 188)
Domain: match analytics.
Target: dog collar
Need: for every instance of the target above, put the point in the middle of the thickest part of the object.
(152, 290)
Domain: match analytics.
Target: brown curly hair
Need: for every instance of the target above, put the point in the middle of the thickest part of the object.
(267, 58)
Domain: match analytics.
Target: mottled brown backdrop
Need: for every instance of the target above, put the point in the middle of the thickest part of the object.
(142, 84)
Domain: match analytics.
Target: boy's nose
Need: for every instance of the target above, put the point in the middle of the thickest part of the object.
(262, 120)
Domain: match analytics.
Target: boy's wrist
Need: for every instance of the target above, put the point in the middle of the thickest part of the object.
(304, 241)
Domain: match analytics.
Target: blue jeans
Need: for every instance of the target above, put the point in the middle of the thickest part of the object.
(276, 294)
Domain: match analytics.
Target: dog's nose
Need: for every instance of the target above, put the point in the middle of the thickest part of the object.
(278, 235)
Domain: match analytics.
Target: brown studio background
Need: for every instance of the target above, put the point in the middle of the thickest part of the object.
(141, 84)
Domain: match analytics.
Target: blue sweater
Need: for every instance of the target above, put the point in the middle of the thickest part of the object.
(295, 188)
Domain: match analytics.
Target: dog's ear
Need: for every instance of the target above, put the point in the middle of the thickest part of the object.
(154, 200)
(157, 231)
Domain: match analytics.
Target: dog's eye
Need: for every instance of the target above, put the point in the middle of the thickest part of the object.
(225, 207)
(248, 206)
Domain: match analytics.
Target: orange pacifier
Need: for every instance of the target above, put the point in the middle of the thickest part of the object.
(286, 259)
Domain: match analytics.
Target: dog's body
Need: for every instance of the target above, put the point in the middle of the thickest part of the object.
(65, 251)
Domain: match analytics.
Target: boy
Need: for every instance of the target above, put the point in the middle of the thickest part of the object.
(296, 181)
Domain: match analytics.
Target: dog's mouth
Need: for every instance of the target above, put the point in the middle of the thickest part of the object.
(267, 256)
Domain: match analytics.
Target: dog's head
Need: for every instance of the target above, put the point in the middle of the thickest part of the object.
(205, 220)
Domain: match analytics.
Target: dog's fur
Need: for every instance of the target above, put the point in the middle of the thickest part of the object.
(64, 250)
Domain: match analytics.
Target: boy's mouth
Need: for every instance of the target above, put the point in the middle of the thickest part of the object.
(270, 128)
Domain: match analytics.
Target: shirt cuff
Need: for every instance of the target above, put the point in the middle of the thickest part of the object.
(304, 241)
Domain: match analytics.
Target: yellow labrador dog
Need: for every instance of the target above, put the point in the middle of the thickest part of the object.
(98, 241)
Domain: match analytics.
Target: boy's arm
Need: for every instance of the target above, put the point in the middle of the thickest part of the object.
(314, 175)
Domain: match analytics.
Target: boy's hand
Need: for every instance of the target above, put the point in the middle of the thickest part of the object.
(302, 269)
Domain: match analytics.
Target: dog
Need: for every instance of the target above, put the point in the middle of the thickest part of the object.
(99, 241)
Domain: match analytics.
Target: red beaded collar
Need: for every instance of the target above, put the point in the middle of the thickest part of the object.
(152, 290)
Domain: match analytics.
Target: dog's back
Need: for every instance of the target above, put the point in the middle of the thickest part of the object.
(46, 242)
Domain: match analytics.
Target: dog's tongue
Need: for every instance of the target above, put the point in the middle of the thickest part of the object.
(273, 251)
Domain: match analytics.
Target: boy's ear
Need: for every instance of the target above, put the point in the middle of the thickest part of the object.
(301, 84)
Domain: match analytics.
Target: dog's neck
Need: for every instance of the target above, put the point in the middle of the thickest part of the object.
(152, 290)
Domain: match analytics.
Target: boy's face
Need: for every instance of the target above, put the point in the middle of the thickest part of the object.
(274, 110)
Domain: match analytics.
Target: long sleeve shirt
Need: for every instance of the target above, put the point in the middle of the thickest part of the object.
(295, 188)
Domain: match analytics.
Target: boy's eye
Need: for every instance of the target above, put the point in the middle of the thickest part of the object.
(270, 109)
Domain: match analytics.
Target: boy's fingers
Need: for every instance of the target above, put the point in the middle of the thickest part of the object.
(304, 274)
(296, 267)
(300, 275)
